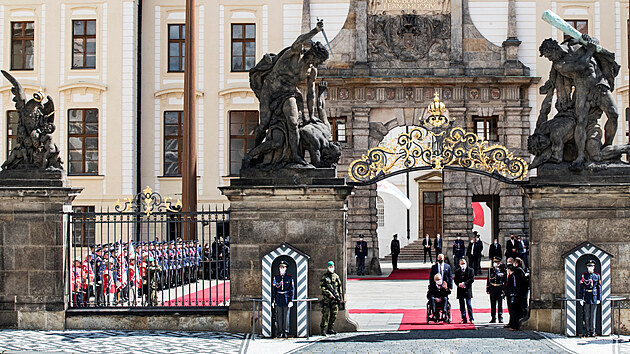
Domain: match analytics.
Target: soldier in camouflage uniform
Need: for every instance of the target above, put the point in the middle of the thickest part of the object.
(332, 292)
(153, 280)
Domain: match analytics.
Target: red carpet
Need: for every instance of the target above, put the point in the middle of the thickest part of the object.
(417, 319)
(407, 274)
(216, 295)
(402, 274)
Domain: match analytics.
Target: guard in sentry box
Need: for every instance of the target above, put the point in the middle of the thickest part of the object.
(282, 297)
(591, 296)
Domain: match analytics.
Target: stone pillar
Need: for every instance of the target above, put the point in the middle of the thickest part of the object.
(457, 38)
(33, 249)
(359, 7)
(511, 44)
(306, 16)
(362, 218)
(563, 214)
(308, 213)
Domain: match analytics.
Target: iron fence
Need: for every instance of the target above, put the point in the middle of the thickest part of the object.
(148, 256)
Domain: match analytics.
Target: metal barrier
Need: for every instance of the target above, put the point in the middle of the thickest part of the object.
(146, 253)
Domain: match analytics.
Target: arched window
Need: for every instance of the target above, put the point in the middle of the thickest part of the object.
(380, 211)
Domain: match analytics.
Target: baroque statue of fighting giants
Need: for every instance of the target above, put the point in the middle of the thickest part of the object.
(34, 148)
(582, 78)
(287, 128)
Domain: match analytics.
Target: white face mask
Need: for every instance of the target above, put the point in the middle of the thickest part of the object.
(283, 270)
(438, 282)
(590, 269)
(496, 265)
(459, 237)
(331, 269)
(462, 266)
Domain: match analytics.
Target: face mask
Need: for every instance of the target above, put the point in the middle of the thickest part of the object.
(331, 269)
(440, 261)
(496, 265)
(463, 267)
(495, 242)
(438, 282)
(509, 263)
(590, 269)
(283, 270)
(459, 238)
(511, 238)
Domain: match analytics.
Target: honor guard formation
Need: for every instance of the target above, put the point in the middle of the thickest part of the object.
(132, 273)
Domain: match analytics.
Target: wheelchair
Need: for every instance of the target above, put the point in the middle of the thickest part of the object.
(444, 312)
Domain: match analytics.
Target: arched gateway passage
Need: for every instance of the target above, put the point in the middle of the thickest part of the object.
(433, 143)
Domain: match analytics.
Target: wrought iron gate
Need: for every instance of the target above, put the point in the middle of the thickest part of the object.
(135, 256)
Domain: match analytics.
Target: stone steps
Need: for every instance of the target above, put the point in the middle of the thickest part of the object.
(412, 252)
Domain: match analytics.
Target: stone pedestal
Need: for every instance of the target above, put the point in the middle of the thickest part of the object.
(33, 249)
(265, 211)
(564, 211)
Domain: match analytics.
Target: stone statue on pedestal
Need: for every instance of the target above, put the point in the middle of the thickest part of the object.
(582, 78)
(286, 129)
(35, 148)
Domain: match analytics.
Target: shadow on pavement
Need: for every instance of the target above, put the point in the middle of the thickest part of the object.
(376, 337)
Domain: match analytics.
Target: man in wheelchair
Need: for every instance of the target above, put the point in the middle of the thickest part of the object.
(439, 307)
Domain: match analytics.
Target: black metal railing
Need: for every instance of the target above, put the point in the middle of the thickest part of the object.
(131, 258)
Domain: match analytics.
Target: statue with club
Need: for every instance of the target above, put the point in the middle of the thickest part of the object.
(287, 128)
(582, 78)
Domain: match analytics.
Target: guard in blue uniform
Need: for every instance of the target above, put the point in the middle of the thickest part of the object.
(458, 249)
(494, 287)
(282, 299)
(591, 296)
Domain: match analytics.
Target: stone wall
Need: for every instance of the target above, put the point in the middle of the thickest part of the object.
(32, 253)
(148, 323)
(562, 216)
(312, 218)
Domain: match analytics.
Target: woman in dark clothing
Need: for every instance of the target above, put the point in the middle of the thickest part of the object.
(512, 295)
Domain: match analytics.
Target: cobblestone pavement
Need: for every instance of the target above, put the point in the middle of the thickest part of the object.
(120, 341)
(484, 340)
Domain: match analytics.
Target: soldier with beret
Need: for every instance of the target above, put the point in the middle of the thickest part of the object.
(332, 292)
(494, 288)
(591, 295)
(282, 297)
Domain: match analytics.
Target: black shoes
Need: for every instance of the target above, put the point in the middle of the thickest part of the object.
(331, 331)
(493, 320)
(323, 333)
(500, 320)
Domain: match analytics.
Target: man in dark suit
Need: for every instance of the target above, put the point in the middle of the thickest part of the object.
(438, 244)
(459, 249)
(443, 269)
(495, 251)
(512, 247)
(464, 278)
(360, 253)
(394, 248)
(473, 253)
(427, 248)
(478, 254)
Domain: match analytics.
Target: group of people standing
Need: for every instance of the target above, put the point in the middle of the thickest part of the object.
(507, 281)
(131, 273)
(427, 243)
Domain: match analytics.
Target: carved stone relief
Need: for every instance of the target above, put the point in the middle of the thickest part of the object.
(409, 37)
